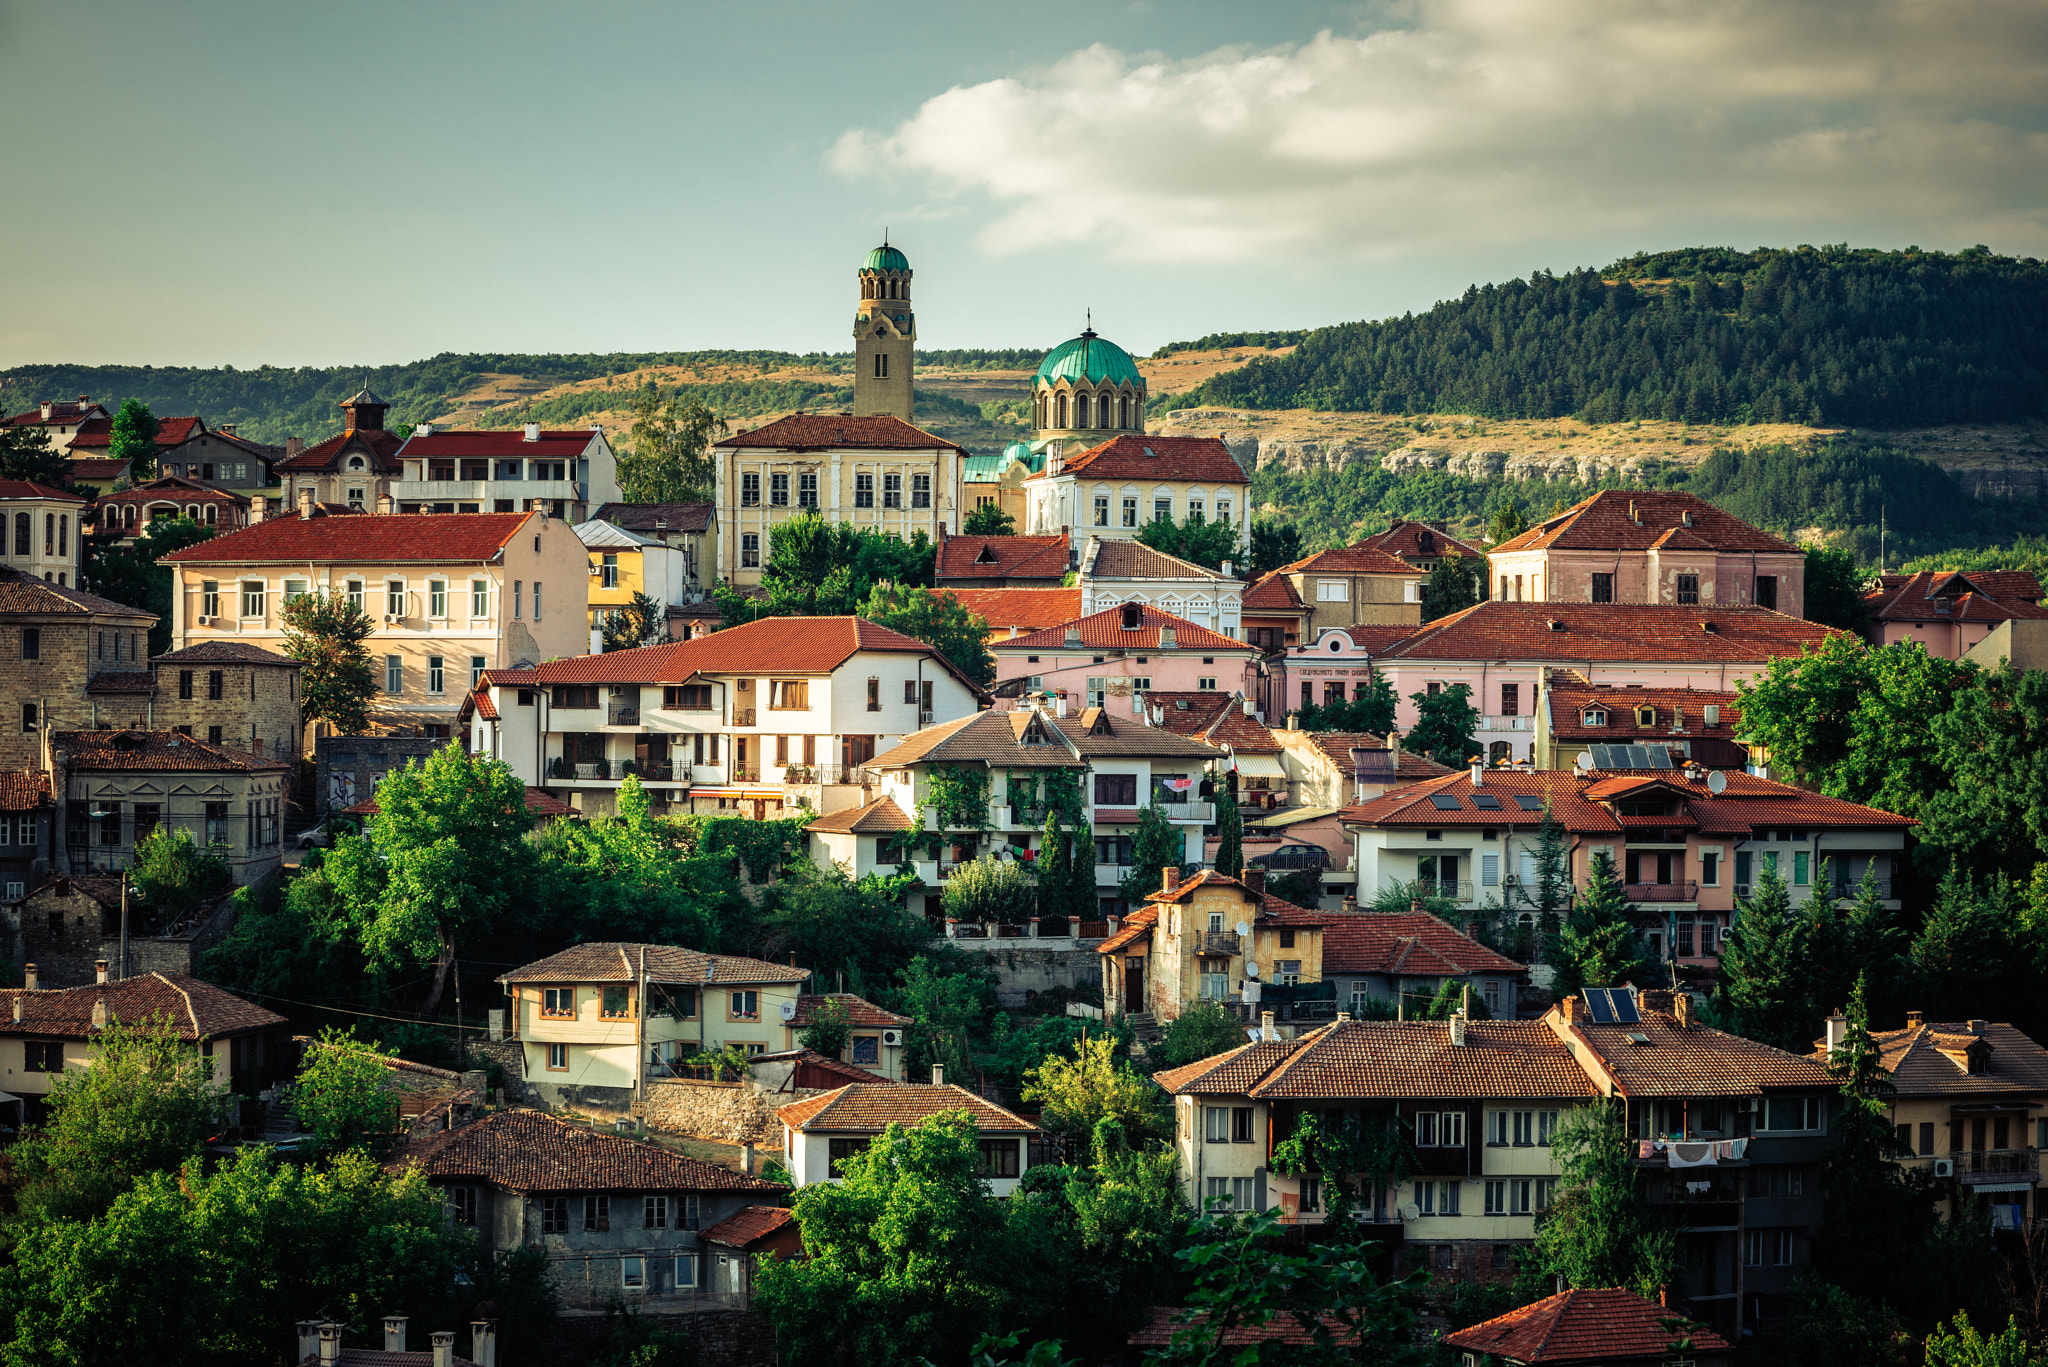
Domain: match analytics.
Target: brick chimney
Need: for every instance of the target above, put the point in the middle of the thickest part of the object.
(259, 508)
(28, 976)
(1681, 1004)
(1568, 1009)
(305, 502)
(1170, 878)
(292, 446)
(1254, 880)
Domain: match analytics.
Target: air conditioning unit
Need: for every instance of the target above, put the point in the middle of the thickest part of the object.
(206, 621)
(391, 617)
(1944, 1167)
(892, 1038)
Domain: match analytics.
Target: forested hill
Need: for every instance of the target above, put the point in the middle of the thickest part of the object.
(1816, 335)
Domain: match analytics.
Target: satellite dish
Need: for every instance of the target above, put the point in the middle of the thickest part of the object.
(1251, 970)
(1243, 928)
(1585, 760)
(1411, 1211)
(788, 1010)
(1717, 782)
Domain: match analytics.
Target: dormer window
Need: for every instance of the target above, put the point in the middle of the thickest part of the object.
(987, 556)
(1134, 616)
(1646, 716)
(1595, 716)
(355, 462)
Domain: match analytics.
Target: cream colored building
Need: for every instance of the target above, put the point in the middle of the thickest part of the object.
(39, 531)
(877, 473)
(1184, 945)
(884, 337)
(451, 596)
(1112, 490)
(59, 421)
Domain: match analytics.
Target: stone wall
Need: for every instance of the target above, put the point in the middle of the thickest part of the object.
(509, 1055)
(66, 660)
(348, 767)
(1026, 967)
(258, 708)
(723, 1112)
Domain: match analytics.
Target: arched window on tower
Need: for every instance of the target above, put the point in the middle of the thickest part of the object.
(1062, 403)
(1123, 410)
(1081, 410)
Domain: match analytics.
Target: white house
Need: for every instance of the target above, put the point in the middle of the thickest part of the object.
(821, 1133)
(1114, 572)
(782, 712)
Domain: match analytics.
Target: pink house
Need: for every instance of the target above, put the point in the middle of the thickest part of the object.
(1950, 611)
(1501, 650)
(1114, 657)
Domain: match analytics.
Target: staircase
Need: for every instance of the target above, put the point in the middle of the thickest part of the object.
(1146, 1026)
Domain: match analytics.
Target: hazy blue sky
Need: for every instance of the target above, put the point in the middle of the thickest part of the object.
(287, 182)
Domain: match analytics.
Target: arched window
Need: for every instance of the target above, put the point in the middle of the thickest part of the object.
(1123, 411)
(1080, 410)
(1500, 752)
(128, 515)
(1062, 404)
(355, 462)
(211, 512)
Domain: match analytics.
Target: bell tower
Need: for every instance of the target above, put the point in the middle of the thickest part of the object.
(884, 336)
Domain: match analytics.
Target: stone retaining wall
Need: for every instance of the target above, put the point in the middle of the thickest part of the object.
(508, 1055)
(723, 1112)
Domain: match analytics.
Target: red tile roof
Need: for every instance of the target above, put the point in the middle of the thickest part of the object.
(614, 961)
(177, 489)
(125, 752)
(1417, 1059)
(1274, 592)
(1106, 628)
(526, 1151)
(1138, 456)
(506, 443)
(994, 557)
(1136, 560)
(860, 1011)
(1928, 1060)
(226, 652)
(1400, 942)
(748, 1225)
(426, 539)
(1163, 1322)
(195, 1010)
(838, 431)
(378, 448)
(24, 792)
(1659, 632)
(65, 412)
(1231, 1073)
(871, 1108)
(1358, 559)
(1621, 520)
(98, 469)
(768, 645)
(21, 592)
(1215, 718)
(880, 815)
(1589, 1326)
(1025, 609)
(28, 488)
(1421, 541)
(1569, 703)
(642, 517)
(1675, 1060)
(1410, 768)
(1956, 596)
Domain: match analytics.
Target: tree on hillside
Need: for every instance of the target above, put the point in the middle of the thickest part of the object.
(638, 623)
(1206, 1028)
(1991, 752)
(1965, 948)
(670, 459)
(1452, 586)
(819, 568)
(1229, 831)
(1371, 707)
(989, 520)
(1084, 897)
(325, 632)
(25, 453)
(1602, 1229)
(1052, 872)
(1275, 542)
(1758, 994)
(174, 878)
(134, 439)
(339, 1094)
(990, 891)
(937, 619)
(1507, 522)
(1599, 943)
(1445, 728)
(129, 572)
(1834, 588)
(1207, 544)
(1077, 1094)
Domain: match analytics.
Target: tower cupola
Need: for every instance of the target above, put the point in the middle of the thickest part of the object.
(884, 335)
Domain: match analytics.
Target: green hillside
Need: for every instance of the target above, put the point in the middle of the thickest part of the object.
(1824, 335)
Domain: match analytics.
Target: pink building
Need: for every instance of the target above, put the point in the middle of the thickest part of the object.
(1649, 546)
(1501, 650)
(1114, 657)
(1948, 612)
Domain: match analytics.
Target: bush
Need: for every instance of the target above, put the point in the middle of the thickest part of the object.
(1206, 1028)
(991, 889)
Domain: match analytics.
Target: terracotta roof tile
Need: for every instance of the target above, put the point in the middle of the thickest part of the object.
(1274, 592)
(643, 517)
(1358, 559)
(993, 738)
(28, 488)
(1956, 596)
(480, 699)
(1139, 456)
(430, 539)
(994, 557)
(1610, 631)
(860, 1011)
(226, 652)
(1604, 522)
(108, 684)
(1411, 767)
(1582, 1325)
(1923, 1060)
(378, 448)
(1217, 718)
(24, 593)
(1106, 628)
(24, 792)
(1421, 541)
(612, 961)
(748, 1225)
(124, 752)
(1136, 926)
(813, 1061)
(1024, 609)
(1568, 704)
(1698, 1061)
(65, 412)
(1232, 1073)
(769, 645)
(98, 469)
(1380, 942)
(527, 1151)
(880, 815)
(1136, 560)
(483, 443)
(1392, 1059)
(869, 1109)
(838, 431)
(195, 1009)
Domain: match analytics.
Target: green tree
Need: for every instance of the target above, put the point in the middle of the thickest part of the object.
(1229, 831)
(638, 623)
(128, 572)
(670, 459)
(1959, 1344)
(1203, 1030)
(339, 1094)
(839, 927)
(1758, 994)
(937, 619)
(1598, 944)
(325, 633)
(1077, 1094)
(1156, 847)
(174, 878)
(1445, 725)
(1207, 544)
(1991, 750)
(989, 520)
(946, 1009)
(1507, 522)
(25, 453)
(145, 1105)
(990, 891)
(1834, 588)
(1053, 875)
(830, 1028)
(1965, 945)
(445, 856)
(1451, 587)
(1601, 1229)
(134, 439)
(1349, 1160)
(1084, 897)
(1275, 542)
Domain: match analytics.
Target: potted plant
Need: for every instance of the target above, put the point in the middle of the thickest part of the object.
(629, 768)
(603, 768)
(558, 767)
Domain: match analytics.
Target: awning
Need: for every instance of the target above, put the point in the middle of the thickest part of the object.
(2001, 1186)
(1263, 766)
(1280, 820)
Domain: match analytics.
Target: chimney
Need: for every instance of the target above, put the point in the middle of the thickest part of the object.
(1294, 721)
(309, 1339)
(1478, 772)
(100, 969)
(1633, 515)
(1685, 518)
(1838, 1030)
(444, 1348)
(1568, 1009)
(747, 1159)
(394, 1333)
(1266, 1030)
(483, 1338)
(938, 1075)
(1014, 633)
(1681, 1007)
(28, 976)
(49, 407)
(99, 1013)
(425, 429)
(532, 432)
(330, 1344)
(305, 503)
(1913, 1018)
(1415, 906)
(1226, 570)
(1465, 1000)
(17, 1010)
(259, 508)
(292, 446)
(1254, 880)
(1170, 879)
(1458, 1030)
(226, 429)
(1979, 1027)
(1169, 639)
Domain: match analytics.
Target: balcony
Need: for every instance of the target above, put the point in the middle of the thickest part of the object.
(1845, 888)
(1188, 812)
(485, 490)
(1506, 723)
(1997, 1165)
(622, 714)
(1219, 942)
(743, 716)
(1456, 889)
(1687, 891)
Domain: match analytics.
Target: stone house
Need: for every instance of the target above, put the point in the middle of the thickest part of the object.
(42, 531)
(47, 1031)
(54, 642)
(67, 926)
(822, 1132)
(616, 1218)
(1650, 546)
(118, 786)
(27, 818)
(1113, 489)
(1354, 586)
(230, 693)
(1220, 939)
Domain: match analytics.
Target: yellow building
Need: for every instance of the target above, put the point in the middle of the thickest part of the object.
(884, 337)
(1355, 586)
(1209, 936)
(624, 563)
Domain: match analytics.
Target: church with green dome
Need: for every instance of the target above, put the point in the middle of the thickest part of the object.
(884, 336)
(1088, 389)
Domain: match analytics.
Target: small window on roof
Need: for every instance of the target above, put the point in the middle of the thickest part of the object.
(1528, 802)
(1596, 716)
(1485, 802)
(1445, 802)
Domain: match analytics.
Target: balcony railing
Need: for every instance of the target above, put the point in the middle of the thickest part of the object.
(1687, 891)
(743, 716)
(746, 773)
(1996, 1165)
(1853, 887)
(1219, 942)
(1188, 811)
(622, 714)
(1457, 889)
(1506, 723)
(652, 773)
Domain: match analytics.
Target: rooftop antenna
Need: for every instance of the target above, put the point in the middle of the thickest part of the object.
(1089, 329)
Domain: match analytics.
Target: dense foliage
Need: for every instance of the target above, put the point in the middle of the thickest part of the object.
(325, 632)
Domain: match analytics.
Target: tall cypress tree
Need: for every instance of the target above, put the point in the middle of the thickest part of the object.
(1599, 942)
(1963, 950)
(1083, 898)
(1229, 832)
(1759, 995)
(1157, 846)
(1052, 870)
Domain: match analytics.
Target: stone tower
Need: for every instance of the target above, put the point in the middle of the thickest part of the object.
(884, 336)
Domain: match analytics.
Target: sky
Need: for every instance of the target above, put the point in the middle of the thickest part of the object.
(253, 182)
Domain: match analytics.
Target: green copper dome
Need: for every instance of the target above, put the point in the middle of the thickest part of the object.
(1089, 359)
(886, 258)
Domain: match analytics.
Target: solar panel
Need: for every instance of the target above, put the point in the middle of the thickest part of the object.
(1638, 756)
(1625, 1012)
(1529, 802)
(1486, 802)
(1660, 756)
(1445, 802)
(1609, 756)
(1598, 1003)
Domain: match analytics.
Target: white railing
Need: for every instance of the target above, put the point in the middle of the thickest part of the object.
(1506, 723)
(1189, 811)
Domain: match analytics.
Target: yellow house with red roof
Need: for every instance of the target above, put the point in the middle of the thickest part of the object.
(1216, 938)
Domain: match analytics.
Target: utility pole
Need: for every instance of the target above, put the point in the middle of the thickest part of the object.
(124, 923)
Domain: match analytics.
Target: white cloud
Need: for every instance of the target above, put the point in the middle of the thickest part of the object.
(1506, 120)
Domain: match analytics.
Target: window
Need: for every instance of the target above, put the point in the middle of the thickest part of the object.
(518, 598)
(110, 824)
(1782, 1180)
(1800, 868)
(21, 533)
(558, 1057)
(1497, 1198)
(750, 490)
(608, 572)
(536, 600)
(294, 588)
(1688, 588)
(216, 685)
(477, 665)
(1791, 1113)
(1767, 1247)
(1523, 1128)
(1240, 1124)
(882, 358)
(576, 696)
(1196, 511)
(1710, 870)
(686, 697)
(789, 695)
(863, 491)
(999, 1158)
(1116, 790)
(744, 1006)
(554, 1215)
(1206, 684)
(1520, 1195)
(252, 597)
(867, 1049)
(1162, 507)
(1216, 1124)
(213, 735)
(1131, 511)
(616, 1003)
(1333, 591)
(436, 673)
(1223, 511)
(1742, 866)
(1425, 1130)
(1767, 591)
(654, 1212)
(462, 1205)
(558, 1002)
(892, 491)
(216, 824)
(839, 1150)
(807, 491)
(778, 497)
(1102, 510)
(1603, 588)
(394, 674)
(750, 550)
(1546, 1121)
(31, 643)
(44, 1056)
(685, 1271)
(920, 491)
(1510, 700)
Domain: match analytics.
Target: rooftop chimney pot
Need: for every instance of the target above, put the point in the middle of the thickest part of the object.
(1979, 1027)
(1912, 1017)
(938, 1075)
(28, 976)
(394, 1333)
(1838, 1029)
(1170, 879)
(309, 1339)
(330, 1344)
(99, 967)
(99, 1013)
(1266, 1030)
(444, 1348)
(532, 432)
(1458, 1030)
(483, 1338)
